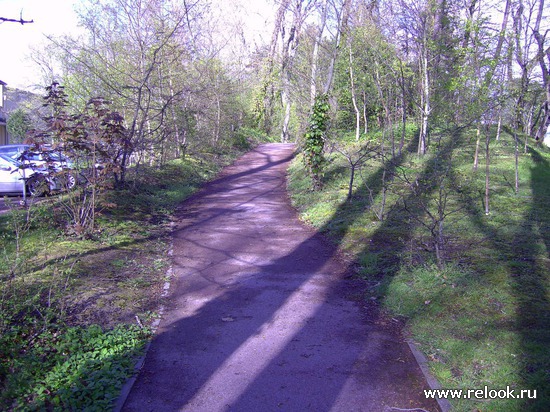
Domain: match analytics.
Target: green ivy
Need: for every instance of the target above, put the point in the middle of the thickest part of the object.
(314, 140)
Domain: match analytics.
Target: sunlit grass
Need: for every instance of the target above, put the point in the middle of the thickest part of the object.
(482, 319)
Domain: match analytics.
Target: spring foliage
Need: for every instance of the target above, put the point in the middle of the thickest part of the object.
(314, 139)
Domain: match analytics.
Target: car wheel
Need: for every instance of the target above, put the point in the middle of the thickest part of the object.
(37, 186)
(70, 181)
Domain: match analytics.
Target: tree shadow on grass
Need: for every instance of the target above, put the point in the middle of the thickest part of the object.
(521, 254)
(523, 251)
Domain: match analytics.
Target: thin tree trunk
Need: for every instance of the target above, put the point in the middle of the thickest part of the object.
(403, 108)
(342, 16)
(289, 50)
(499, 126)
(285, 134)
(218, 119)
(351, 178)
(476, 154)
(425, 107)
(365, 117)
(354, 97)
(516, 155)
(315, 57)
(174, 119)
(487, 171)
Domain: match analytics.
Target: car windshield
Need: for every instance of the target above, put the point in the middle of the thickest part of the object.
(30, 156)
(33, 154)
(10, 160)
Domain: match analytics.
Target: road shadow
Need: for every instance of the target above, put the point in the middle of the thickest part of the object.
(266, 315)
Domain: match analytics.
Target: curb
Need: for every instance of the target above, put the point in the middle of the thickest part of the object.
(422, 362)
(127, 387)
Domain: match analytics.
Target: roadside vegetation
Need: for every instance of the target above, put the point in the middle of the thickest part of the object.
(472, 288)
(76, 309)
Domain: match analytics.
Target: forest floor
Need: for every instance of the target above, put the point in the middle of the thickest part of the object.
(264, 314)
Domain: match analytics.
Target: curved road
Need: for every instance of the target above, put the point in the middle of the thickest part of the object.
(261, 314)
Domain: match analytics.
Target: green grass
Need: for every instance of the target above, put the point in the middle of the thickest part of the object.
(68, 305)
(483, 316)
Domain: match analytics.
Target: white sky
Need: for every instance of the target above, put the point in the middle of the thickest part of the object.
(50, 17)
(57, 17)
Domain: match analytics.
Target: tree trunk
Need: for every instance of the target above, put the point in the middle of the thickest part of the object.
(342, 16)
(315, 57)
(487, 170)
(354, 97)
(351, 178)
(269, 87)
(425, 106)
(476, 154)
(217, 126)
(545, 69)
(289, 51)
(285, 134)
(516, 155)
(365, 117)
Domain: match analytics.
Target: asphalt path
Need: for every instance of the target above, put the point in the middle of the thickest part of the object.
(263, 314)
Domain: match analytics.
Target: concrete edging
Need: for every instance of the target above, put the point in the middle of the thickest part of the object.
(444, 404)
(127, 387)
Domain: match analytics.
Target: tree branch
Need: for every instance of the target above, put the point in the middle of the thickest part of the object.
(4, 19)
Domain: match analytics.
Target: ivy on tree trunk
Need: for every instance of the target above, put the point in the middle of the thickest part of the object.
(314, 139)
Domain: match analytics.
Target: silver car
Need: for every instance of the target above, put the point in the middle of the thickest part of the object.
(45, 161)
(16, 178)
(45, 156)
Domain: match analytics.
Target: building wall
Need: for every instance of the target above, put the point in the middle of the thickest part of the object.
(3, 134)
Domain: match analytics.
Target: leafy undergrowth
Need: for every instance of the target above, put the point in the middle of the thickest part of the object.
(481, 314)
(76, 312)
(79, 368)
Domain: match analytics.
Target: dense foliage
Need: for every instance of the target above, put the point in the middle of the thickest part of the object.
(72, 369)
(18, 125)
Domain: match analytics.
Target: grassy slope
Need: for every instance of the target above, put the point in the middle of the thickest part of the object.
(102, 286)
(483, 319)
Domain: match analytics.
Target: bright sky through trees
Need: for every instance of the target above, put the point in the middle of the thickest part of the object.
(51, 17)
(56, 17)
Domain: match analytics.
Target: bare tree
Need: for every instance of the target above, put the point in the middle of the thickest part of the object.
(543, 56)
(341, 11)
(356, 155)
(315, 56)
(137, 54)
(290, 38)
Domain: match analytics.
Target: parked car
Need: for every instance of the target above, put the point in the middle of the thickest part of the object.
(38, 157)
(15, 178)
(46, 160)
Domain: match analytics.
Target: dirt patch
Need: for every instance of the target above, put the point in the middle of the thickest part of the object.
(114, 285)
